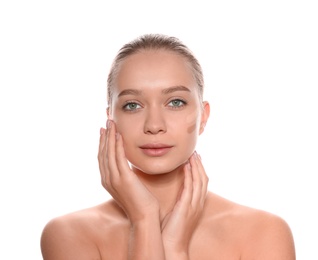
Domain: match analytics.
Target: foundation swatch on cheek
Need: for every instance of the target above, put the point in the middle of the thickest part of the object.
(191, 121)
(191, 128)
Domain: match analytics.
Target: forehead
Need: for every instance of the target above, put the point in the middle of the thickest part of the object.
(149, 68)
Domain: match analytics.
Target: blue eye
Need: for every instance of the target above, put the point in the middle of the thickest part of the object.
(176, 103)
(131, 106)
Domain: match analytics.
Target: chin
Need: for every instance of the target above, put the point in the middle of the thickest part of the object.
(157, 168)
(156, 171)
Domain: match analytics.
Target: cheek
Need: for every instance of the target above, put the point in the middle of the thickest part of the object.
(123, 123)
(186, 130)
(192, 127)
(192, 121)
(125, 128)
(130, 132)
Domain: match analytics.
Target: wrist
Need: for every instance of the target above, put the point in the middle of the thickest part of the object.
(174, 250)
(176, 255)
(145, 218)
(145, 238)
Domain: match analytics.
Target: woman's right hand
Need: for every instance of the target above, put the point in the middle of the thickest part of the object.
(119, 180)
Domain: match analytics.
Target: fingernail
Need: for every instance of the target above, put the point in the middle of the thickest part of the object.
(101, 131)
(117, 135)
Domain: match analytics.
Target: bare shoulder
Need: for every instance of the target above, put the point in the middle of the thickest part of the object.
(257, 234)
(78, 235)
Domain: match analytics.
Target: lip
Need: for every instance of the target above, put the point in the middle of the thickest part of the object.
(155, 149)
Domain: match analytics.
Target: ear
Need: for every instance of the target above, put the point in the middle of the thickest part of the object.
(107, 112)
(205, 115)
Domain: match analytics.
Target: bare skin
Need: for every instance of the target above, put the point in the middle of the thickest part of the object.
(225, 231)
(161, 208)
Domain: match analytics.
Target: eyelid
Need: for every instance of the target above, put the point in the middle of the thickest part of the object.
(177, 98)
(184, 102)
(128, 102)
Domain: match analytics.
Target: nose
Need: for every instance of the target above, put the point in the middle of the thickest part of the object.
(154, 122)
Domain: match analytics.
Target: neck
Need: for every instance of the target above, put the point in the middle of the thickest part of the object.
(165, 187)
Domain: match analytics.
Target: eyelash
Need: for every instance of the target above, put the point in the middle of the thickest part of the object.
(125, 106)
(184, 103)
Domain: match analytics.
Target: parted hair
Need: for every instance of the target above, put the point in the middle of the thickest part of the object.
(155, 42)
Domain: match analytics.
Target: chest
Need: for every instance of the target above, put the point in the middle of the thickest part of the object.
(206, 244)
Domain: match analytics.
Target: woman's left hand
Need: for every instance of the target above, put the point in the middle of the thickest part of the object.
(179, 225)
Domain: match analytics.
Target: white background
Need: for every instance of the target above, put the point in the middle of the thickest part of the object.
(260, 147)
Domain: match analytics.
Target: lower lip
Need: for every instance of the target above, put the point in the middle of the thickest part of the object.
(156, 152)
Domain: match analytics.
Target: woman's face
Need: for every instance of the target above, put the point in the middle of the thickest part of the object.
(157, 110)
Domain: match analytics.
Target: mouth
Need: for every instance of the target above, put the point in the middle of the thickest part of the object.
(155, 149)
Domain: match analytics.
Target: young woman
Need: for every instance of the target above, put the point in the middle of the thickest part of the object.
(161, 208)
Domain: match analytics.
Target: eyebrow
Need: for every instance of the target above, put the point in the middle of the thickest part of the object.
(174, 89)
(135, 92)
(165, 91)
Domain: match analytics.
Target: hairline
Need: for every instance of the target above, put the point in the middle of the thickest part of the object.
(156, 42)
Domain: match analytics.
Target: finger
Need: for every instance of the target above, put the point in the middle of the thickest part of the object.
(204, 178)
(121, 160)
(197, 181)
(186, 195)
(102, 140)
(111, 165)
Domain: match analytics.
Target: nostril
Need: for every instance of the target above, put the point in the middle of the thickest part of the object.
(155, 129)
(154, 121)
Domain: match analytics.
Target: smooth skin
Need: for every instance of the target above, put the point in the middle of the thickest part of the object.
(161, 208)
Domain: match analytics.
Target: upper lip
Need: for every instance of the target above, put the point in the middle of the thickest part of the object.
(155, 146)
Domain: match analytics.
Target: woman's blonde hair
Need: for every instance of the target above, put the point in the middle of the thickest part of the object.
(155, 42)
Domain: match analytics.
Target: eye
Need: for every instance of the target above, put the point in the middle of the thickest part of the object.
(131, 106)
(176, 103)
